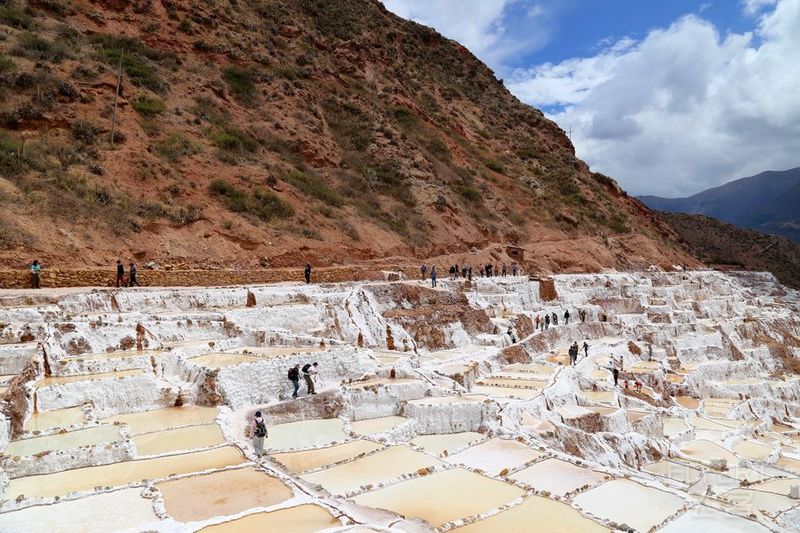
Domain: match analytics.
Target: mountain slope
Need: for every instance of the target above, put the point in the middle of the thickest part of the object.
(767, 202)
(322, 130)
(726, 245)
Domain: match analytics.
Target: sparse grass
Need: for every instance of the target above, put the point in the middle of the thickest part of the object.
(352, 127)
(137, 59)
(15, 17)
(148, 106)
(263, 204)
(495, 166)
(233, 142)
(36, 47)
(175, 147)
(206, 109)
(242, 84)
(84, 131)
(313, 185)
(7, 64)
(11, 161)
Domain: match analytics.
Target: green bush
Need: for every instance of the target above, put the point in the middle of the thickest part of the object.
(175, 147)
(148, 106)
(6, 64)
(404, 117)
(437, 148)
(235, 141)
(469, 193)
(36, 47)
(11, 161)
(352, 127)
(241, 82)
(495, 166)
(313, 185)
(84, 131)
(262, 204)
(137, 59)
(15, 17)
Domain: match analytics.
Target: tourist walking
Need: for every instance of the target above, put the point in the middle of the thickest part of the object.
(546, 321)
(433, 276)
(120, 274)
(36, 274)
(566, 317)
(309, 372)
(133, 281)
(615, 372)
(423, 270)
(294, 377)
(514, 268)
(510, 333)
(307, 273)
(585, 349)
(505, 269)
(258, 430)
(538, 322)
(554, 319)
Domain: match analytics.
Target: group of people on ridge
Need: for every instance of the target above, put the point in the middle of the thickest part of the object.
(552, 319)
(465, 271)
(309, 371)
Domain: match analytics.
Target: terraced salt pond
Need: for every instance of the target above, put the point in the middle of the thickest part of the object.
(306, 518)
(61, 380)
(710, 520)
(627, 502)
(223, 493)
(384, 465)
(120, 474)
(174, 440)
(558, 477)
(535, 514)
(298, 462)
(65, 441)
(305, 434)
(477, 494)
(219, 360)
(376, 425)
(439, 444)
(59, 418)
(495, 455)
(162, 419)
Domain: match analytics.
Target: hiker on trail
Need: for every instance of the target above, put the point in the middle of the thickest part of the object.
(505, 269)
(482, 271)
(566, 317)
(120, 274)
(452, 273)
(309, 372)
(571, 353)
(433, 276)
(469, 273)
(489, 271)
(258, 430)
(510, 333)
(464, 270)
(294, 377)
(538, 322)
(496, 269)
(132, 280)
(307, 273)
(649, 352)
(36, 274)
(546, 321)
(555, 319)
(423, 270)
(582, 314)
(514, 267)
(615, 372)
(585, 349)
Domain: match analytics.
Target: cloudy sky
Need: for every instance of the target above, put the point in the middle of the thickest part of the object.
(670, 97)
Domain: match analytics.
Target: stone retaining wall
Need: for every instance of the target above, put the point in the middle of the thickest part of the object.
(10, 279)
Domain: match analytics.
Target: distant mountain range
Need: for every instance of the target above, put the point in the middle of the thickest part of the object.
(768, 202)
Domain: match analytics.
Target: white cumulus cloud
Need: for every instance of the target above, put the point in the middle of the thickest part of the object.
(685, 108)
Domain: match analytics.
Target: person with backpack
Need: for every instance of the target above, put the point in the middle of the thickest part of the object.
(566, 317)
(546, 321)
(309, 371)
(294, 377)
(307, 273)
(120, 274)
(585, 349)
(554, 319)
(423, 270)
(433, 276)
(538, 322)
(258, 430)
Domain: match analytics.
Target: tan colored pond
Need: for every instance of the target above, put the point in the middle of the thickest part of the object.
(708, 520)
(752, 501)
(676, 471)
(65, 441)
(57, 418)
(705, 450)
(600, 396)
(719, 407)
(298, 462)
(44, 382)
(644, 367)
(514, 383)
(228, 492)
(439, 444)
(84, 515)
(378, 381)
(174, 440)
(371, 426)
(495, 455)
(532, 368)
(118, 355)
(532, 515)
(219, 360)
(306, 518)
(777, 486)
(673, 426)
(167, 418)
(625, 501)
(274, 351)
(751, 450)
(557, 477)
(119, 474)
(414, 498)
(382, 466)
(303, 434)
(452, 398)
(792, 465)
(687, 402)
(506, 392)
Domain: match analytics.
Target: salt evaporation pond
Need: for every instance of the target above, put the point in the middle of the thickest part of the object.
(298, 462)
(306, 518)
(557, 477)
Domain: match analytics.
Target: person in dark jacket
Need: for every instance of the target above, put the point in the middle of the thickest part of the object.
(566, 317)
(309, 371)
(120, 274)
(133, 281)
(307, 272)
(294, 377)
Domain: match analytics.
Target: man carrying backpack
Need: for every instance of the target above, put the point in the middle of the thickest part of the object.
(294, 377)
(258, 430)
(309, 371)
(566, 317)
